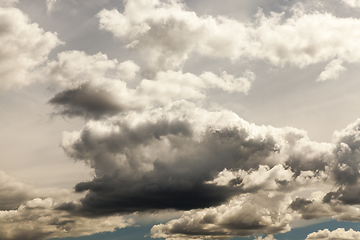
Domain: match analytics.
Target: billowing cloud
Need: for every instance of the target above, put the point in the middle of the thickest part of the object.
(38, 219)
(242, 216)
(94, 86)
(347, 152)
(30, 213)
(173, 158)
(337, 234)
(25, 46)
(166, 33)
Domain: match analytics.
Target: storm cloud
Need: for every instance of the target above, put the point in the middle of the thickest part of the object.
(175, 158)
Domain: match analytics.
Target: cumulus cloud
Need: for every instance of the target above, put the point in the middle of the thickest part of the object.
(166, 33)
(38, 219)
(173, 158)
(337, 234)
(347, 152)
(25, 46)
(93, 85)
(242, 216)
(30, 213)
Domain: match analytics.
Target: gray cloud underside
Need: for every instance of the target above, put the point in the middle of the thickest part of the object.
(165, 158)
(30, 213)
(183, 157)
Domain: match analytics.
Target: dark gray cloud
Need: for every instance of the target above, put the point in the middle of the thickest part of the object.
(86, 101)
(166, 158)
(348, 195)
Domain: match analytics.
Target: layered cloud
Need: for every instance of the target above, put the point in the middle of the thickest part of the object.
(242, 216)
(29, 213)
(93, 85)
(167, 33)
(337, 234)
(25, 46)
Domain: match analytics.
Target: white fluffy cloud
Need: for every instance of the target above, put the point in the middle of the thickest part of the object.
(166, 33)
(242, 216)
(338, 234)
(93, 85)
(24, 46)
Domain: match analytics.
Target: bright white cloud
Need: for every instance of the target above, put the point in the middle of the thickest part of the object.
(332, 70)
(242, 216)
(24, 46)
(338, 234)
(166, 33)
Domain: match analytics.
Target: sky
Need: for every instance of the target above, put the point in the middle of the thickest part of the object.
(179, 119)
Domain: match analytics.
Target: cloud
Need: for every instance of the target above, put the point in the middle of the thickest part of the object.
(173, 157)
(30, 213)
(38, 219)
(50, 5)
(242, 216)
(167, 33)
(7, 3)
(13, 192)
(346, 167)
(332, 70)
(339, 233)
(25, 46)
(94, 86)
(270, 237)
(352, 3)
